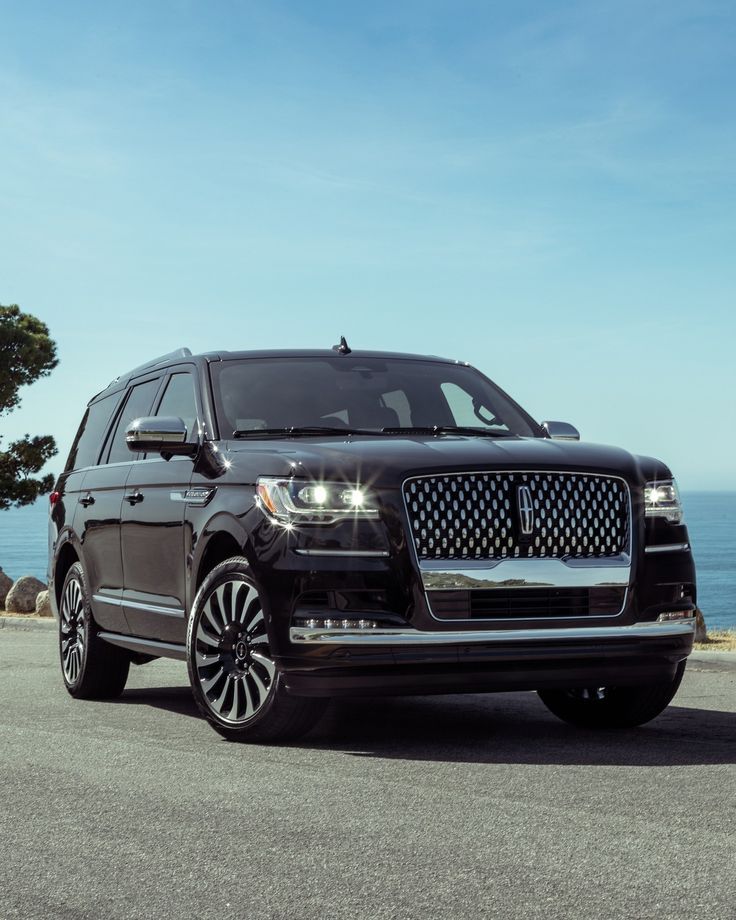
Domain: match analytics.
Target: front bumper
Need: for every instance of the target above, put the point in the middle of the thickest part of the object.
(417, 649)
(413, 661)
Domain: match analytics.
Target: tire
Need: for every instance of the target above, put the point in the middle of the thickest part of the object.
(91, 669)
(612, 707)
(235, 681)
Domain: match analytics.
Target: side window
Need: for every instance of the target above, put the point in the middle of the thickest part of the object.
(179, 400)
(138, 404)
(86, 446)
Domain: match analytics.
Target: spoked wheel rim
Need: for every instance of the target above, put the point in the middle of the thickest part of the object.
(232, 656)
(71, 620)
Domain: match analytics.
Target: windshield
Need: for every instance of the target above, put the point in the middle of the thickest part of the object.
(347, 392)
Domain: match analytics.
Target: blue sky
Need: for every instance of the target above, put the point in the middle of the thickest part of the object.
(543, 189)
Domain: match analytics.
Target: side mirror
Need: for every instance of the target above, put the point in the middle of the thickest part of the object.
(561, 431)
(165, 435)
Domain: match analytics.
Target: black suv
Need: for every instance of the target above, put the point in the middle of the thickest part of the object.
(300, 525)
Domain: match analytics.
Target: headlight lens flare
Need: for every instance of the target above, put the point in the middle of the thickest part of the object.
(662, 499)
(295, 501)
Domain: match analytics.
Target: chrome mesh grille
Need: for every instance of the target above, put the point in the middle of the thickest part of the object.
(477, 516)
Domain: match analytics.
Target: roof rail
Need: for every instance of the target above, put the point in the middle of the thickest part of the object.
(178, 353)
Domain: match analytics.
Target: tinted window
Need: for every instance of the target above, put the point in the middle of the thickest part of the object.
(359, 393)
(86, 447)
(139, 402)
(180, 401)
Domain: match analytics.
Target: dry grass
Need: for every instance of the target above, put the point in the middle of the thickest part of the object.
(719, 640)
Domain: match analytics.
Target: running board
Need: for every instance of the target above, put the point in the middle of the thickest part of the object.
(146, 646)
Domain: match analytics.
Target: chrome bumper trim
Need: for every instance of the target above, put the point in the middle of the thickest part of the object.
(667, 548)
(527, 573)
(362, 553)
(300, 634)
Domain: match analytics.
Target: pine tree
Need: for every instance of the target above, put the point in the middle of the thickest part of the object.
(26, 354)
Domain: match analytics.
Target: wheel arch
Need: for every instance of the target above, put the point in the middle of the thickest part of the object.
(67, 554)
(222, 539)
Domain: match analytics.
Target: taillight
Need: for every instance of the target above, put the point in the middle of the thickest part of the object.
(54, 498)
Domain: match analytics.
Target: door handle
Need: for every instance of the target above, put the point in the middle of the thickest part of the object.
(134, 498)
(87, 500)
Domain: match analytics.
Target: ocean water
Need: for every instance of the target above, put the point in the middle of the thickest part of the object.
(710, 516)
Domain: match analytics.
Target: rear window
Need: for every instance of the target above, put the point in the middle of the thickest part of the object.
(86, 447)
(354, 392)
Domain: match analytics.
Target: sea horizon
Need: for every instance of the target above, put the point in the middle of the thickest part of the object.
(709, 513)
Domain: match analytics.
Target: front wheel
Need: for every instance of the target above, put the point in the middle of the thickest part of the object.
(612, 707)
(236, 683)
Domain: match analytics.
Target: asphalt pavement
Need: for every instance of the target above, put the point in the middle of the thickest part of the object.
(430, 807)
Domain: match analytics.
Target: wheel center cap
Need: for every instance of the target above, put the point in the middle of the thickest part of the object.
(241, 650)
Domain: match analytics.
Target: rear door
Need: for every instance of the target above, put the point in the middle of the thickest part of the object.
(152, 532)
(102, 499)
(69, 514)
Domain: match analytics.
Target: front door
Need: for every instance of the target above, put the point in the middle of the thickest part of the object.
(152, 531)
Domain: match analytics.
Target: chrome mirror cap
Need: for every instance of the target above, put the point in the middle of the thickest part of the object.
(561, 431)
(163, 434)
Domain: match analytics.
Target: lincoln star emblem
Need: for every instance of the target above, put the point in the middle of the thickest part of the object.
(526, 509)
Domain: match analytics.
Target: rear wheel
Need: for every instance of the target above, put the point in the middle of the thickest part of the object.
(612, 707)
(91, 668)
(235, 681)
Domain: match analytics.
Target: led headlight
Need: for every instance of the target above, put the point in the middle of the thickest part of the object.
(293, 501)
(662, 499)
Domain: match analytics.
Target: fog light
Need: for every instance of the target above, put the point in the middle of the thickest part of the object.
(675, 615)
(329, 623)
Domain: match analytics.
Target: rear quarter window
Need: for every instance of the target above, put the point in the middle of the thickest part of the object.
(86, 447)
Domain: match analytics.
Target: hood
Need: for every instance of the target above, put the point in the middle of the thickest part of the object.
(385, 461)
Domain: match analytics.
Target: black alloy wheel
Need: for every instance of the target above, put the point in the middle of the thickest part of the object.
(235, 680)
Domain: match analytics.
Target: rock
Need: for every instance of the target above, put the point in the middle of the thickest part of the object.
(43, 605)
(22, 596)
(5, 585)
(701, 634)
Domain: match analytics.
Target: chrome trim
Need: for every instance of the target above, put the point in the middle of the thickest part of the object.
(561, 431)
(301, 634)
(159, 430)
(146, 646)
(150, 608)
(441, 575)
(526, 509)
(198, 496)
(667, 548)
(366, 553)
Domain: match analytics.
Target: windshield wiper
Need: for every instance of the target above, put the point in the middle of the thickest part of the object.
(297, 431)
(304, 431)
(451, 429)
